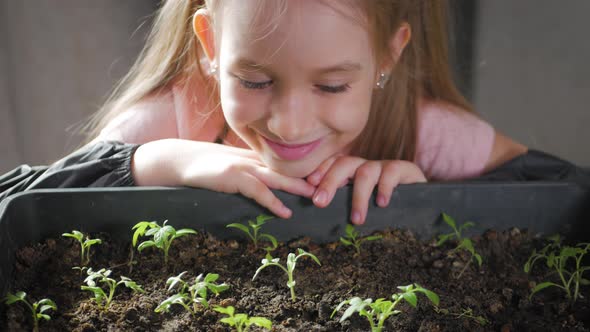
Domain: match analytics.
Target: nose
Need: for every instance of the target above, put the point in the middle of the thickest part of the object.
(292, 117)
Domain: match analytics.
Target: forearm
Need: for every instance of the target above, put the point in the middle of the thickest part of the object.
(174, 162)
(157, 163)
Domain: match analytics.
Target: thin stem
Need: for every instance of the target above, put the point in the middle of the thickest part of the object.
(130, 263)
(35, 319)
(81, 254)
(292, 288)
(457, 233)
(112, 287)
(166, 248)
(464, 268)
(565, 284)
(255, 237)
(381, 323)
(578, 277)
(375, 328)
(192, 299)
(577, 287)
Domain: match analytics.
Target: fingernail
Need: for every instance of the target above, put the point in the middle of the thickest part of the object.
(381, 200)
(356, 217)
(286, 211)
(321, 197)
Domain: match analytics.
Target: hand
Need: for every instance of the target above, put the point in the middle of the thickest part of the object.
(335, 173)
(174, 162)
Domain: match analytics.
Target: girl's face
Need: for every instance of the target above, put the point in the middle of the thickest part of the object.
(297, 90)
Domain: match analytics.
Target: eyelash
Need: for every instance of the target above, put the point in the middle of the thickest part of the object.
(262, 85)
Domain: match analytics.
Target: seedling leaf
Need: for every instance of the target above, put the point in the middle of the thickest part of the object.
(411, 299)
(543, 285)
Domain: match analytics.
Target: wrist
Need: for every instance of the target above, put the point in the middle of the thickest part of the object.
(156, 164)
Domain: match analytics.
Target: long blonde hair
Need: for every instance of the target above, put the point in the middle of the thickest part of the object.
(171, 56)
(422, 71)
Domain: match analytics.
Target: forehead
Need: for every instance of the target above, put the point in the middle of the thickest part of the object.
(301, 31)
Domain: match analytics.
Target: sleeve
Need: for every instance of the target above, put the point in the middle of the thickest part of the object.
(104, 164)
(452, 144)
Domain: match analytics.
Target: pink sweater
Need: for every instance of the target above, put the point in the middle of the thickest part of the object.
(452, 144)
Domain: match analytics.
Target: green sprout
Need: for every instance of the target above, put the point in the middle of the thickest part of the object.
(162, 235)
(38, 308)
(241, 321)
(377, 312)
(84, 245)
(352, 238)
(103, 276)
(191, 295)
(464, 242)
(557, 257)
(252, 231)
(291, 261)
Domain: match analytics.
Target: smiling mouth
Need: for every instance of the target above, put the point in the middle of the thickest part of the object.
(292, 151)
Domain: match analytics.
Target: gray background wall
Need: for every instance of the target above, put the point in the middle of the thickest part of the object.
(532, 73)
(59, 59)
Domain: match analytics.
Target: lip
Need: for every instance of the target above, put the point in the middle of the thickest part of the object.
(292, 151)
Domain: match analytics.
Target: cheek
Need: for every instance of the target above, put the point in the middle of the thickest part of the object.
(349, 115)
(240, 107)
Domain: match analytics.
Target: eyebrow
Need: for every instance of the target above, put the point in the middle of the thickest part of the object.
(345, 66)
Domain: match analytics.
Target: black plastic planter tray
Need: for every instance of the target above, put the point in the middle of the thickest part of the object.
(541, 207)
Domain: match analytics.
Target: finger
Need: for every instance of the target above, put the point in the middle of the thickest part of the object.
(316, 176)
(342, 169)
(390, 178)
(365, 180)
(394, 173)
(288, 184)
(343, 183)
(411, 174)
(255, 189)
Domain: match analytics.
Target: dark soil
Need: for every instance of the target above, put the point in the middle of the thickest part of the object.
(497, 293)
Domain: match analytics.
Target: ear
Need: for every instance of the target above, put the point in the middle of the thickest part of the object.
(204, 32)
(397, 44)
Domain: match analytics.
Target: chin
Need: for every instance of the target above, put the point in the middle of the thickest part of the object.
(298, 169)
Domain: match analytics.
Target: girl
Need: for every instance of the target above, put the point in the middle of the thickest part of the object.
(303, 95)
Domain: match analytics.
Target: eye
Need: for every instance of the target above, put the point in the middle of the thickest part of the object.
(254, 85)
(334, 88)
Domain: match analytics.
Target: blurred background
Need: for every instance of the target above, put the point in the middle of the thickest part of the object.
(524, 65)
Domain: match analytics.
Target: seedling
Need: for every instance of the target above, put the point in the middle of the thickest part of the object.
(84, 245)
(162, 235)
(556, 258)
(352, 238)
(241, 321)
(252, 231)
(291, 261)
(464, 242)
(103, 276)
(377, 312)
(38, 309)
(190, 296)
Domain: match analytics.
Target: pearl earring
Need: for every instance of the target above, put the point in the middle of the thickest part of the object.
(383, 78)
(213, 69)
